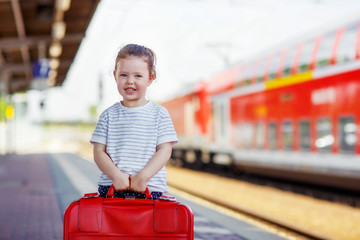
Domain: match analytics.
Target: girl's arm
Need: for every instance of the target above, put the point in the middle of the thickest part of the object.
(105, 164)
(158, 161)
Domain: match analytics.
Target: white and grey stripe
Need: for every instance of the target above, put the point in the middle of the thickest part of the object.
(131, 136)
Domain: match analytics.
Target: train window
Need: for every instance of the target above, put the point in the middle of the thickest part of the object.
(289, 61)
(287, 135)
(222, 119)
(272, 136)
(248, 134)
(238, 136)
(347, 45)
(260, 135)
(274, 65)
(304, 128)
(324, 138)
(305, 55)
(325, 50)
(347, 134)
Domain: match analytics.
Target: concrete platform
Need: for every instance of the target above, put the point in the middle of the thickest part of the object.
(37, 188)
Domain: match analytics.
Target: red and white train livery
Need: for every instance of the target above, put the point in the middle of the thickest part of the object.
(291, 113)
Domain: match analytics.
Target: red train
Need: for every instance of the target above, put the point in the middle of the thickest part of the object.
(291, 113)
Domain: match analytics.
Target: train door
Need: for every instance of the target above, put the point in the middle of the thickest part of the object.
(221, 121)
(189, 119)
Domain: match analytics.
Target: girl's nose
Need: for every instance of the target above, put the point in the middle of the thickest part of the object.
(130, 80)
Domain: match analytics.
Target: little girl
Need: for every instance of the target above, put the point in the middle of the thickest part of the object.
(133, 138)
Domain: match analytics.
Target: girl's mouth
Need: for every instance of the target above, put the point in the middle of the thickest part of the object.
(130, 90)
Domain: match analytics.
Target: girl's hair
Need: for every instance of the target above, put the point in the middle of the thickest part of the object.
(143, 52)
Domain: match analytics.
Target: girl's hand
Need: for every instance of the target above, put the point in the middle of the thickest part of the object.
(121, 182)
(138, 184)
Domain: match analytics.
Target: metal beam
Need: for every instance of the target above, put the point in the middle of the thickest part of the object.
(16, 43)
(18, 68)
(20, 28)
(2, 60)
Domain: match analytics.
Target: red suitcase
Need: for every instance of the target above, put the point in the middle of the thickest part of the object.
(93, 217)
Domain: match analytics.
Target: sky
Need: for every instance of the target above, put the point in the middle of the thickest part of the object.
(193, 40)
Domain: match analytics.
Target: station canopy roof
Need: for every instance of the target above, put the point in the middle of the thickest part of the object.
(39, 40)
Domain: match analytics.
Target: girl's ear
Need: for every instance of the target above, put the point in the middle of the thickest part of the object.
(151, 79)
(114, 72)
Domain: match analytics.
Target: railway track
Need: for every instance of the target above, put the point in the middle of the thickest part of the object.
(296, 215)
(346, 197)
(278, 226)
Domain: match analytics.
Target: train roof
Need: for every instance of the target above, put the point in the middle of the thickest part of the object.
(227, 78)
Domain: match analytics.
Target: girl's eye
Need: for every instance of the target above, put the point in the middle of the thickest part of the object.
(138, 76)
(122, 75)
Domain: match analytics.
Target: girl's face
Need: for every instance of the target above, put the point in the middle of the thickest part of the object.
(132, 78)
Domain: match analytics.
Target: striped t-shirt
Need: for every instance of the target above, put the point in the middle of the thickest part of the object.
(131, 136)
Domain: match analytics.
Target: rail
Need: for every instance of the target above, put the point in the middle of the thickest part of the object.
(256, 215)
